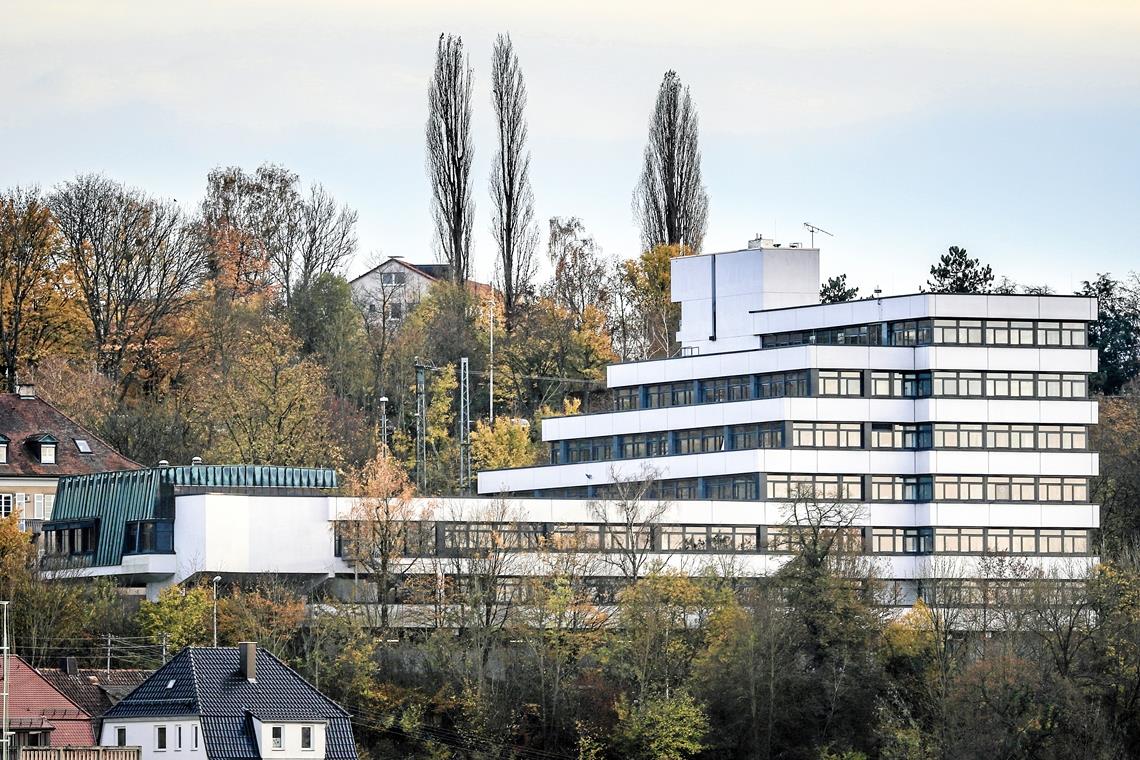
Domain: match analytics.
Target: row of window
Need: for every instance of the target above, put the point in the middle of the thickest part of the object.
(823, 435)
(876, 488)
(166, 738)
(426, 538)
(41, 505)
(853, 383)
(940, 332)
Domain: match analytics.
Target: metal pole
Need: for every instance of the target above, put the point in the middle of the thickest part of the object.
(421, 425)
(216, 579)
(6, 739)
(464, 425)
(384, 421)
(108, 654)
(491, 369)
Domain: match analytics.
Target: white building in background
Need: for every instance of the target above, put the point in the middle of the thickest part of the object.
(950, 429)
(954, 427)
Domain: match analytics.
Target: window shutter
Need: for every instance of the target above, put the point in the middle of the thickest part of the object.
(38, 509)
(21, 503)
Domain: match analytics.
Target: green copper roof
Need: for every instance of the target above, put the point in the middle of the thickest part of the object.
(116, 498)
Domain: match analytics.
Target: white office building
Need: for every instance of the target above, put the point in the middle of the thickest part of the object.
(954, 427)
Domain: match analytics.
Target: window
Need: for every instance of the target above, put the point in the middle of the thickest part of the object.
(957, 331)
(732, 487)
(3, 449)
(838, 487)
(830, 435)
(781, 384)
(6, 500)
(178, 738)
(1009, 333)
(700, 441)
(277, 734)
(626, 399)
(160, 737)
(1065, 334)
(195, 737)
(964, 384)
(965, 435)
(120, 736)
(840, 382)
(306, 737)
(47, 453)
(959, 540)
(392, 278)
(726, 389)
(764, 435)
(959, 488)
(83, 446)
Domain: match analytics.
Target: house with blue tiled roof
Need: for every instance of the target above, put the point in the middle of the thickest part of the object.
(229, 703)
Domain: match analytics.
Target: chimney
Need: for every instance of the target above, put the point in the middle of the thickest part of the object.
(26, 390)
(248, 654)
(69, 665)
(196, 461)
(756, 242)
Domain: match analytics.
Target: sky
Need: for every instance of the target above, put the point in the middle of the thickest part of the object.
(1009, 128)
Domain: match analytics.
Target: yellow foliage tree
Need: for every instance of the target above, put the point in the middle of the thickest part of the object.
(505, 444)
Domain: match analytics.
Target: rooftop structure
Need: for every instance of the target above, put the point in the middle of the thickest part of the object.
(40, 444)
(229, 703)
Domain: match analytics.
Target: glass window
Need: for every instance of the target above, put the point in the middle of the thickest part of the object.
(306, 737)
(840, 383)
(886, 384)
(160, 737)
(47, 453)
(626, 399)
(120, 736)
(278, 738)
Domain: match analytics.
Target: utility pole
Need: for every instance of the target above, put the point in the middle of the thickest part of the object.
(421, 426)
(214, 582)
(491, 367)
(108, 654)
(464, 426)
(6, 739)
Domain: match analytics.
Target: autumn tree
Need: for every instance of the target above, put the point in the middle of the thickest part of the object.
(270, 407)
(502, 445)
(647, 281)
(265, 234)
(450, 153)
(957, 272)
(384, 532)
(511, 195)
(38, 314)
(580, 277)
(331, 329)
(182, 614)
(134, 260)
(1117, 490)
(836, 290)
(670, 201)
(269, 613)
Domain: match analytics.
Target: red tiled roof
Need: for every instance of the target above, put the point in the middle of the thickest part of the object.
(22, 419)
(94, 689)
(35, 704)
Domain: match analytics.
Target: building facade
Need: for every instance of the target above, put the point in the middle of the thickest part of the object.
(39, 445)
(946, 429)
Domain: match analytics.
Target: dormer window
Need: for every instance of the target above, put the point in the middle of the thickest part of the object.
(3, 449)
(44, 447)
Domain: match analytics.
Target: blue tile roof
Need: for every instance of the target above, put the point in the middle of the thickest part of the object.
(207, 682)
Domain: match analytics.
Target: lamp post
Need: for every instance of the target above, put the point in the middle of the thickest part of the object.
(384, 421)
(215, 583)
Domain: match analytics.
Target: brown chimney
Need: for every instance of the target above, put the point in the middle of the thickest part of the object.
(248, 654)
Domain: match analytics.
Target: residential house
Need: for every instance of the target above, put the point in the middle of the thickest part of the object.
(39, 714)
(39, 444)
(229, 703)
(390, 290)
(95, 690)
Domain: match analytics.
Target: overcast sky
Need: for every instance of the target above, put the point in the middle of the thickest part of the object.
(1010, 128)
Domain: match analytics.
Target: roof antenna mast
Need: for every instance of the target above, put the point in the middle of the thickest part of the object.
(813, 229)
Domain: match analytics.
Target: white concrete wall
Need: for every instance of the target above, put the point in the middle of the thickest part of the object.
(291, 740)
(761, 278)
(143, 733)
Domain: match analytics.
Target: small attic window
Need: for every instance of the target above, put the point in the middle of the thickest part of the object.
(170, 683)
(44, 445)
(83, 446)
(3, 449)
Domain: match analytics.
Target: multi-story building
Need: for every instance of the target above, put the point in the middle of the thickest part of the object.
(947, 427)
(945, 434)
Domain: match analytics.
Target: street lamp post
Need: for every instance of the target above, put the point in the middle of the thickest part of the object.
(215, 583)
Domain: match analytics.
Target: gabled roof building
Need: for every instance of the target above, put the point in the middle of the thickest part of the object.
(39, 715)
(229, 703)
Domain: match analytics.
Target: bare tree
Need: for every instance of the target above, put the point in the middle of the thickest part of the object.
(670, 201)
(30, 315)
(384, 534)
(449, 155)
(581, 275)
(134, 259)
(629, 516)
(262, 233)
(514, 229)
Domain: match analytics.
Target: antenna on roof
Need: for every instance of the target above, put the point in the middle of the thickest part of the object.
(813, 229)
